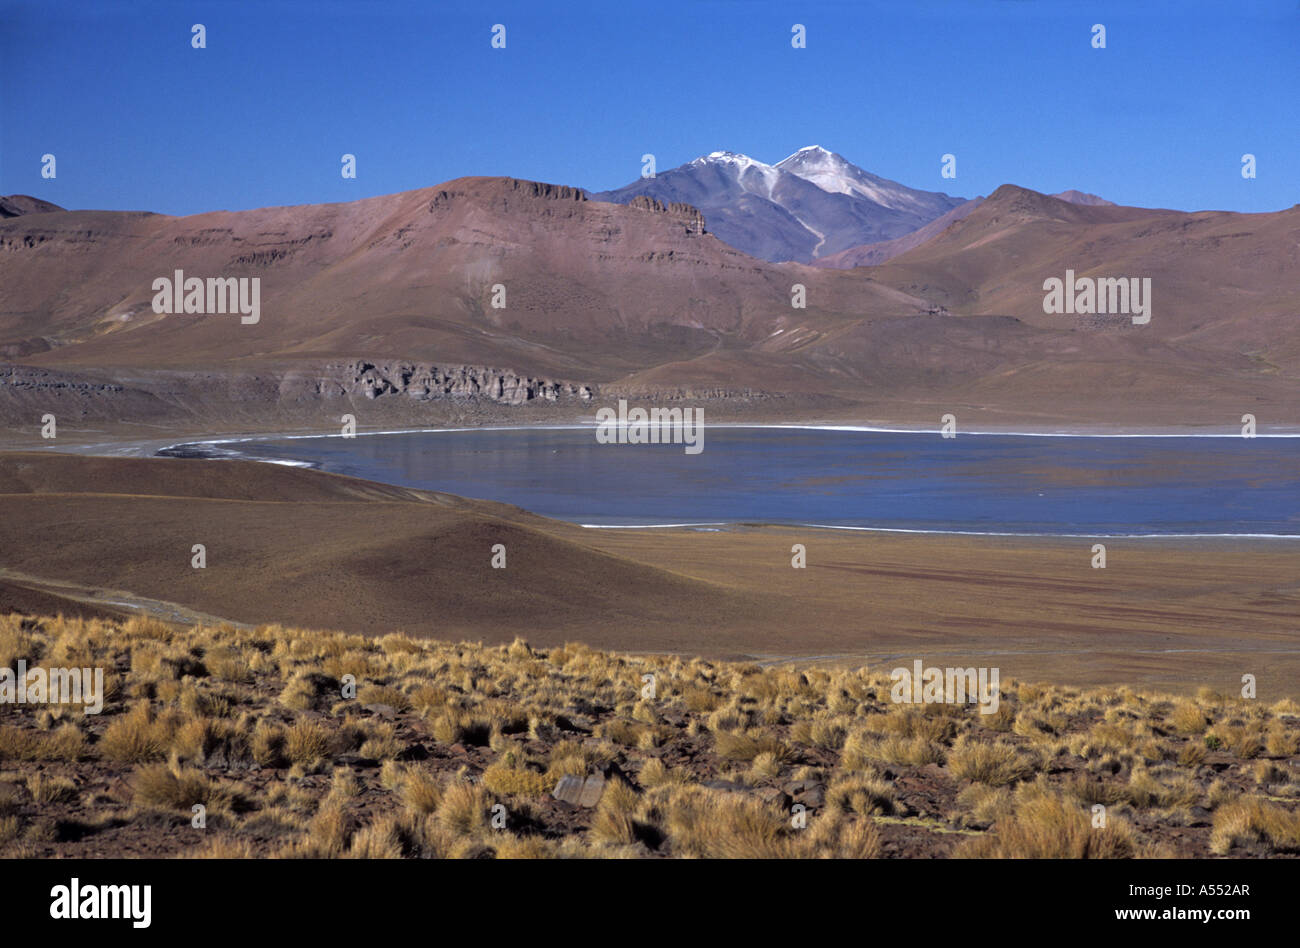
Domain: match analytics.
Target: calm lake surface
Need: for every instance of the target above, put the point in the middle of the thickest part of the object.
(883, 480)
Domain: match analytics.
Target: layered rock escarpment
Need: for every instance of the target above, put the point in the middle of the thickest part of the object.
(688, 215)
(424, 381)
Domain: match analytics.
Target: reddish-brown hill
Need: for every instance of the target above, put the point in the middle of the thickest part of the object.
(641, 299)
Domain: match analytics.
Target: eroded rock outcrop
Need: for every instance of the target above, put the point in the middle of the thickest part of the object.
(688, 215)
(424, 381)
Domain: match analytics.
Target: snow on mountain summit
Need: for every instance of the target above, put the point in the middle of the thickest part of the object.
(812, 204)
(835, 174)
(757, 177)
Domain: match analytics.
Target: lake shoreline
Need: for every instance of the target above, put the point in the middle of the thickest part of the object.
(114, 441)
(852, 478)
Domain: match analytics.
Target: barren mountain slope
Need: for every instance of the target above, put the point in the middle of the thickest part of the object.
(389, 300)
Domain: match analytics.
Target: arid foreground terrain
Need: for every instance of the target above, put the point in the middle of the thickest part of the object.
(219, 695)
(460, 750)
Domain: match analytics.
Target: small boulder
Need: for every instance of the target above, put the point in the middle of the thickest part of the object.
(569, 789)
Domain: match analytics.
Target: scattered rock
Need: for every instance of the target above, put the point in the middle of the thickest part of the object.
(413, 751)
(810, 793)
(356, 760)
(569, 789)
(774, 795)
(592, 790)
(579, 792)
(571, 721)
(728, 785)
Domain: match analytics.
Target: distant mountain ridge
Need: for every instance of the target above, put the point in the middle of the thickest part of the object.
(389, 303)
(1080, 197)
(871, 255)
(813, 204)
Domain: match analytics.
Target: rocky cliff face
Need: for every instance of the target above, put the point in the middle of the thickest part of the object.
(28, 393)
(424, 382)
(688, 215)
(395, 392)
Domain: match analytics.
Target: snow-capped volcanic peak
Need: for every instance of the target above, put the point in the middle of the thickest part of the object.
(815, 153)
(813, 204)
(833, 173)
(815, 161)
(729, 157)
(754, 176)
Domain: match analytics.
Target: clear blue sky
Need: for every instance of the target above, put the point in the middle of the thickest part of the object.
(137, 119)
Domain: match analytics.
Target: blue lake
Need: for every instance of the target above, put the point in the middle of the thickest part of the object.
(883, 480)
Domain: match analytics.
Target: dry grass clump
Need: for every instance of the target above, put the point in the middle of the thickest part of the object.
(392, 697)
(328, 835)
(456, 726)
(380, 741)
(933, 724)
(228, 664)
(748, 745)
(137, 736)
(212, 741)
(1088, 790)
(311, 691)
(655, 773)
(269, 745)
(862, 794)
(1048, 827)
(699, 699)
(914, 751)
(510, 846)
(1144, 790)
(1188, 718)
(306, 742)
(420, 793)
(49, 789)
(713, 824)
(1110, 737)
(67, 743)
(223, 847)
(1254, 821)
(614, 822)
(464, 808)
(1245, 741)
(987, 804)
(995, 763)
(172, 788)
(383, 839)
(1282, 740)
(506, 780)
